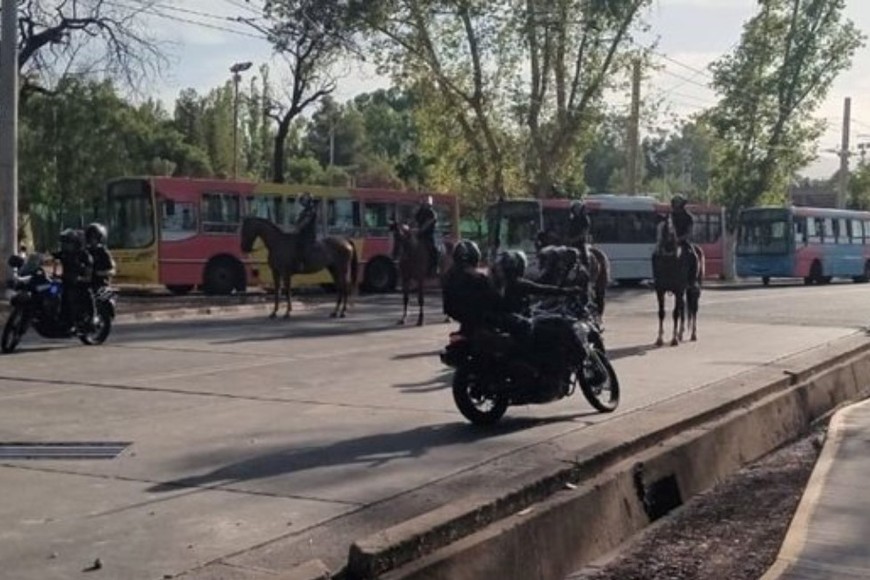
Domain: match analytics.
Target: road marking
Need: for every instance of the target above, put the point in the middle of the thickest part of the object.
(61, 450)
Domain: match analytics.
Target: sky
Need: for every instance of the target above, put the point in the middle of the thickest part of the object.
(203, 41)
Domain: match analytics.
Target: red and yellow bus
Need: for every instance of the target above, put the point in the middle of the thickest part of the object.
(184, 233)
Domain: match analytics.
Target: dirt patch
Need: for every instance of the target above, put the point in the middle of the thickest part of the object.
(732, 531)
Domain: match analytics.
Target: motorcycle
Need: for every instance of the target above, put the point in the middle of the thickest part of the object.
(36, 301)
(494, 372)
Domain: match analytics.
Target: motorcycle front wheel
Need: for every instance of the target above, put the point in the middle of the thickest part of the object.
(474, 401)
(13, 330)
(102, 327)
(598, 382)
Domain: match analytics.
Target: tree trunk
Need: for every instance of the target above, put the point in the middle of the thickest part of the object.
(278, 163)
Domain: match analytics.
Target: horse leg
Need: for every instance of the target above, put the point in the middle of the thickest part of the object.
(287, 280)
(678, 306)
(660, 296)
(276, 279)
(343, 287)
(694, 304)
(420, 290)
(406, 297)
(682, 332)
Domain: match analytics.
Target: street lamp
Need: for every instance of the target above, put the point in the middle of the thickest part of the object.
(237, 69)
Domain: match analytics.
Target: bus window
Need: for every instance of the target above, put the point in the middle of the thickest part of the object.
(714, 228)
(856, 232)
(605, 227)
(867, 232)
(828, 233)
(800, 229)
(636, 227)
(377, 216)
(842, 231)
(445, 219)
(342, 217)
(405, 213)
(815, 231)
(270, 207)
(178, 220)
(130, 214)
(556, 222)
(221, 213)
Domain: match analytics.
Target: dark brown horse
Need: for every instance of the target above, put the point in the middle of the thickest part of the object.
(680, 273)
(599, 268)
(414, 266)
(334, 253)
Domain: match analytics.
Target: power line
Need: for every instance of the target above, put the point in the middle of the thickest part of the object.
(243, 6)
(153, 11)
(697, 71)
(685, 79)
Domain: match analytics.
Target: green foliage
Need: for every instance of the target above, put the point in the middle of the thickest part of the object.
(789, 55)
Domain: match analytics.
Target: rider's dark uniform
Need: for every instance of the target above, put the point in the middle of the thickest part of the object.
(306, 225)
(579, 225)
(470, 299)
(427, 220)
(77, 265)
(684, 223)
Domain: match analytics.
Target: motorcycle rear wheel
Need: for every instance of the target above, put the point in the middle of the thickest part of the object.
(598, 382)
(13, 330)
(478, 407)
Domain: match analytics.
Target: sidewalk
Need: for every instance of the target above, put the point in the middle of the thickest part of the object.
(828, 537)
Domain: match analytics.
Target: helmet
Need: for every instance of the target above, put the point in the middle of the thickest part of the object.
(96, 233)
(70, 238)
(678, 201)
(577, 207)
(466, 253)
(427, 200)
(305, 200)
(511, 264)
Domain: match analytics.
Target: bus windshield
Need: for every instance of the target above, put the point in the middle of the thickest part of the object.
(764, 232)
(130, 216)
(515, 224)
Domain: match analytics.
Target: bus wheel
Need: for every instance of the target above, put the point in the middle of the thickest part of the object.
(380, 276)
(180, 289)
(222, 276)
(765, 280)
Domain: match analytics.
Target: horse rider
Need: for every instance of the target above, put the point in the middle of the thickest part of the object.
(306, 226)
(683, 222)
(579, 225)
(427, 220)
(77, 274)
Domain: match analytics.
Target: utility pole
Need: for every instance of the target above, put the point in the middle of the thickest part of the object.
(9, 129)
(634, 129)
(843, 190)
(237, 69)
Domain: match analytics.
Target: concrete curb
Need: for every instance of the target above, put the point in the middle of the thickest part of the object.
(622, 482)
(795, 537)
(202, 312)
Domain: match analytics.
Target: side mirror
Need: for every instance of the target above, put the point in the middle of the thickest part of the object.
(15, 261)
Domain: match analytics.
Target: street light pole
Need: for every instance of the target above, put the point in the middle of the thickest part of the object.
(9, 128)
(237, 69)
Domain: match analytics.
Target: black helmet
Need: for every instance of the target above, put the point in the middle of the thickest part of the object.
(466, 253)
(511, 264)
(70, 238)
(306, 200)
(96, 233)
(577, 207)
(678, 201)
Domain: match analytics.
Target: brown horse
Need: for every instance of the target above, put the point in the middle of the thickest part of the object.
(334, 253)
(680, 273)
(599, 268)
(414, 266)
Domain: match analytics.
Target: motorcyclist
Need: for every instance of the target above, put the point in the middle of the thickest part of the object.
(683, 222)
(427, 220)
(468, 294)
(104, 264)
(77, 273)
(578, 230)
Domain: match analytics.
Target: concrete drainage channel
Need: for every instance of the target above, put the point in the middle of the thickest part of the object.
(552, 521)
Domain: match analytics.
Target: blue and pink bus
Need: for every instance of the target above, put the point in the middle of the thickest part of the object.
(803, 242)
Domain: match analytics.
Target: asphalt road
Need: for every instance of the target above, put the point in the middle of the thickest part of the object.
(256, 444)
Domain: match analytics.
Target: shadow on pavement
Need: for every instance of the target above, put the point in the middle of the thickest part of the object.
(371, 451)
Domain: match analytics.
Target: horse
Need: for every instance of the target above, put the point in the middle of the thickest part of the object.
(680, 273)
(414, 266)
(599, 267)
(334, 253)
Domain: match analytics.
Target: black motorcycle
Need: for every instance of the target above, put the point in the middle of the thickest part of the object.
(37, 302)
(494, 372)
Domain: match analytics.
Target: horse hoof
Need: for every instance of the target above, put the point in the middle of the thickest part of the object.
(675, 342)
(273, 316)
(333, 315)
(400, 323)
(287, 316)
(419, 323)
(343, 315)
(660, 342)
(694, 338)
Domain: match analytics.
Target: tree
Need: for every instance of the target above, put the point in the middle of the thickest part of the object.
(859, 187)
(680, 162)
(84, 36)
(788, 57)
(310, 35)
